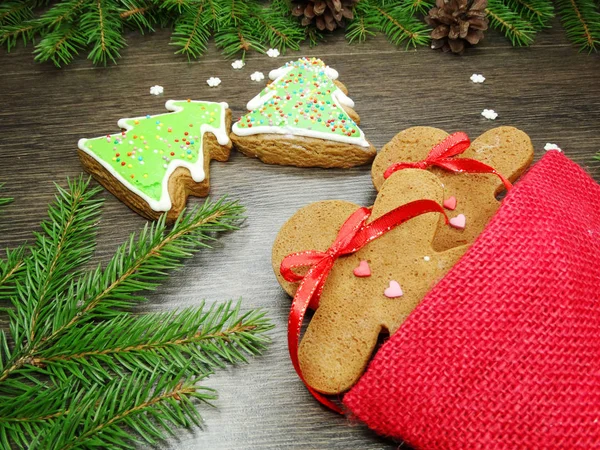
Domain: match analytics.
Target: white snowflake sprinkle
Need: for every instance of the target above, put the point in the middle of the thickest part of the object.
(156, 90)
(550, 146)
(489, 114)
(257, 76)
(213, 81)
(477, 78)
(426, 258)
(273, 53)
(238, 64)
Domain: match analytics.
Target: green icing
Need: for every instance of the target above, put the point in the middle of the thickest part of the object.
(142, 154)
(302, 100)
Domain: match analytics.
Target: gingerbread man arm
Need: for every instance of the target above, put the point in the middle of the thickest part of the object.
(343, 333)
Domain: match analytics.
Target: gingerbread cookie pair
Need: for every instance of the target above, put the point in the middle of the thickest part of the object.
(371, 275)
(303, 118)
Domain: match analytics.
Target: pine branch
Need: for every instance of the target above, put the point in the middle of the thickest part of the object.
(114, 414)
(420, 6)
(15, 12)
(60, 46)
(517, 30)
(191, 31)
(199, 339)
(138, 14)
(103, 28)
(67, 242)
(581, 21)
(22, 420)
(277, 28)
(138, 265)
(85, 372)
(363, 25)
(398, 24)
(236, 33)
(537, 12)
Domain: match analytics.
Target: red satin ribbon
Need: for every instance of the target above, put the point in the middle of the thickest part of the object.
(442, 154)
(354, 234)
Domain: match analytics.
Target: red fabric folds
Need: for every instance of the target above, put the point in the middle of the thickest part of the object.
(504, 352)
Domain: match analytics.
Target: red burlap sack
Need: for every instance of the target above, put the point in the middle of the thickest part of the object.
(504, 353)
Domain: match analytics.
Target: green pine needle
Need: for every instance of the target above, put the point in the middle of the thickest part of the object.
(363, 25)
(4, 200)
(163, 340)
(78, 369)
(117, 414)
(537, 12)
(65, 28)
(581, 20)
(399, 25)
(519, 31)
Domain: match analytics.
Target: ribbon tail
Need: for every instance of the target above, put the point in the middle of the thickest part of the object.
(309, 287)
(471, 166)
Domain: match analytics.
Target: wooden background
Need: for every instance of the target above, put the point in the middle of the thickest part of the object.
(548, 90)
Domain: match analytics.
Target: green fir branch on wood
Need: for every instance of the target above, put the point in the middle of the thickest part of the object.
(581, 20)
(77, 368)
(63, 29)
(537, 12)
(519, 31)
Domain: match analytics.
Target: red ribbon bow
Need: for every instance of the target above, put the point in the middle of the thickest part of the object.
(441, 155)
(353, 235)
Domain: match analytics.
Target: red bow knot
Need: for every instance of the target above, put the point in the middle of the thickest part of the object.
(442, 155)
(354, 234)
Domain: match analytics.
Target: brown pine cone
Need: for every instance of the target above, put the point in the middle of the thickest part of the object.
(324, 14)
(457, 23)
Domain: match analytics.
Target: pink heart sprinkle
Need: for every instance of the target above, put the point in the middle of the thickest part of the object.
(363, 270)
(450, 203)
(459, 221)
(394, 290)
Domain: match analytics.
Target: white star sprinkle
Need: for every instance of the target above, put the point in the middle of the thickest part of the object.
(273, 53)
(238, 64)
(477, 78)
(489, 114)
(550, 146)
(156, 90)
(257, 76)
(213, 81)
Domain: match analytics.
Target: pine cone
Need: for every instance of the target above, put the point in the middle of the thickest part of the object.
(324, 14)
(457, 23)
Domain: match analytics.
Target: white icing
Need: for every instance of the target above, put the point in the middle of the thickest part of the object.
(259, 100)
(196, 169)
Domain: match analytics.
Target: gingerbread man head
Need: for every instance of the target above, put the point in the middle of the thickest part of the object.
(372, 291)
(470, 198)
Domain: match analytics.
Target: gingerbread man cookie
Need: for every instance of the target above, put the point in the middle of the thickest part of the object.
(469, 198)
(157, 161)
(303, 118)
(369, 292)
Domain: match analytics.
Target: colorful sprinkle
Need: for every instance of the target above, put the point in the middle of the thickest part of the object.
(363, 270)
(394, 290)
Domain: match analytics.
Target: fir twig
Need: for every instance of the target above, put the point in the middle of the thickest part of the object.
(83, 371)
(398, 24)
(108, 415)
(519, 31)
(537, 12)
(163, 340)
(581, 21)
